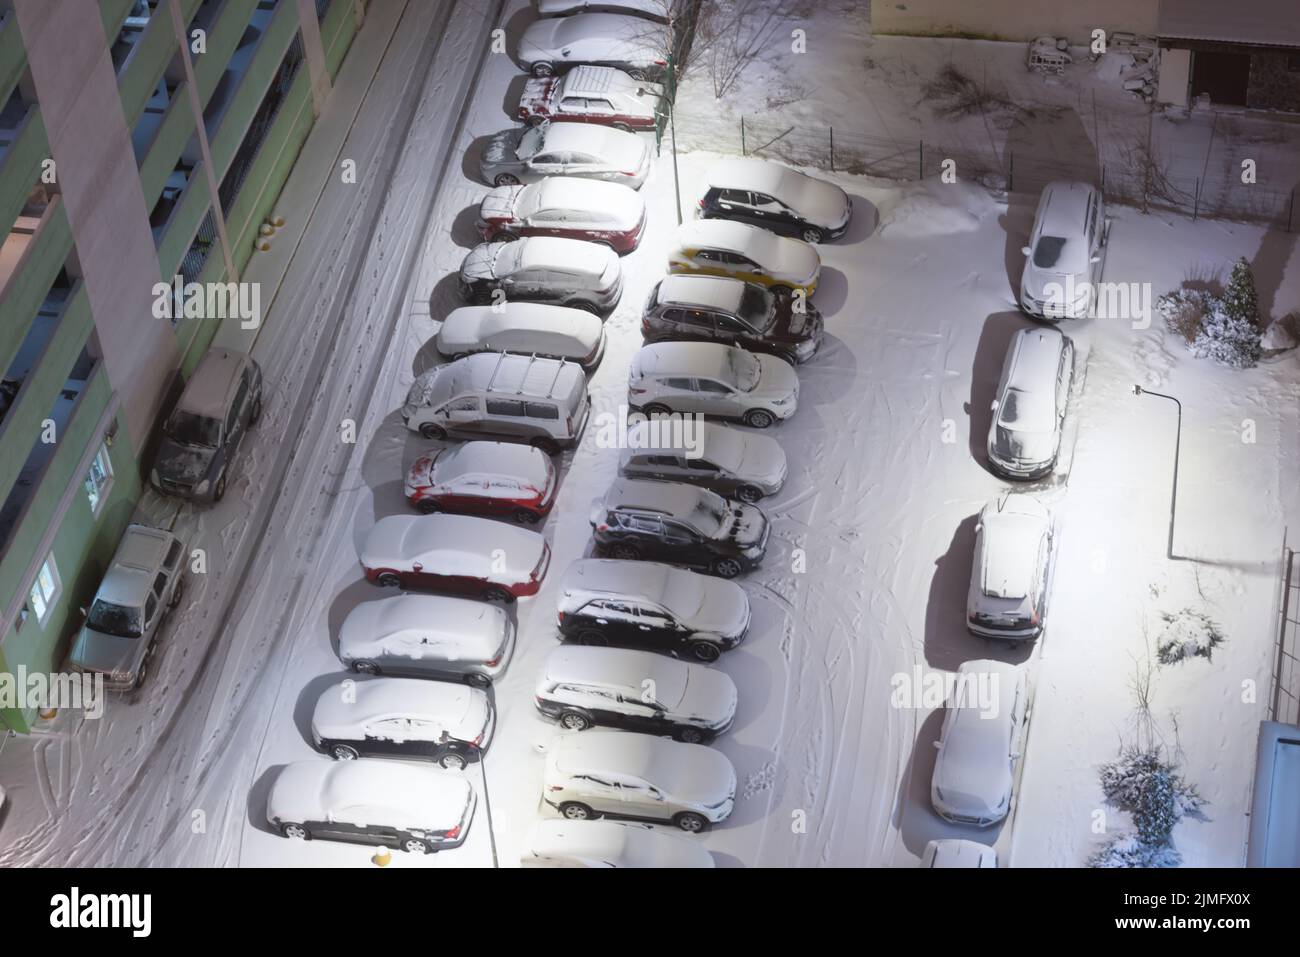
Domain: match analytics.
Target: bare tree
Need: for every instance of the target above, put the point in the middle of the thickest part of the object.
(731, 34)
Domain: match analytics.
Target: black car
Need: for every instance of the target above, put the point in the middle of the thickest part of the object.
(777, 198)
(701, 308)
(680, 524)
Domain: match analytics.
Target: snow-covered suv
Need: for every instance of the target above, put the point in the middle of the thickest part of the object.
(709, 378)
(1007, 597)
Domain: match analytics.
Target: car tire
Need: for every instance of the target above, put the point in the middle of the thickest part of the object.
(427, 506)
(584, 305)
(388, 580)
(727, 568)
(143, 671)
(525, 516)
(655, 409)
(177, 592)
(758, 419)
(413, 845)
(749, 494)
(622, 126)
(498, 595)
(476, 680)
(295, 832)
(592, 637)
(811, 234)
(625, 551)
(365, 667)
(503, 236)
(574, 721)
(505, 179)
(706, 651)
(536, 120)
(689, 735)
(542, 69)
(576, 811)
(256, 414)
(431, 430)
(344, 752)
(453, 761)
(690, 822)
(219, 492)
(548, 446)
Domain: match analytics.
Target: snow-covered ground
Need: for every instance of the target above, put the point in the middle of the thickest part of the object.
(886, 476)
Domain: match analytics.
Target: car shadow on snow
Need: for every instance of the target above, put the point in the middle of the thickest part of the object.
(514, 93)
(986, 370)
(464, 232)
(310, 694)
(515, 26)
(832, 291)
(469, 164)
(257, 797)
(864, 222)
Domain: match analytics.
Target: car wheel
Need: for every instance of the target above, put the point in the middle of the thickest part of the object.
(584, 305)
(256, 414)
(364, 667)
(506, 179)
(749, 494)
(476, 680)
(413, 845)
(574, 721)
(344, 752)
(430, 430)
(542, 68)
(498, 594)
(388, 580)
(295, 832)
(625, 552)
(143, 672)
(177, 592)
(591, 636)
(453, 761)
(577, 812)
(525, 516)
(503, 236)
(623, 126)
(691, 822)
(548, 446)
(219, 492)
(690, 736)
(427, 506)
(655, 410)
(705, 651)
(811, 234)
(759, 419)
(727, 568)
(536, 120)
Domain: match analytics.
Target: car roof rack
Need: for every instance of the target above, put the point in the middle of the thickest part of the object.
(533, 357)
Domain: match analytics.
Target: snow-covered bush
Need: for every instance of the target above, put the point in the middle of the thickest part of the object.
(1187, 634)
(1228, 339)
(1223, 327)
(1151, 789)
(1183, 311)
(1128, 850)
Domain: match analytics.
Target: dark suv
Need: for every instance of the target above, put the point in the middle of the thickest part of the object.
(679, 523)
(734, 312)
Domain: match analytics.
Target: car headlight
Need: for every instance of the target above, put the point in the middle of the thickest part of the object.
(202, 488)
(153, 477)
(753, 551)
(123, 677)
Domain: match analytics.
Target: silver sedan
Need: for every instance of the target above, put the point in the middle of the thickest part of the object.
(523, 155)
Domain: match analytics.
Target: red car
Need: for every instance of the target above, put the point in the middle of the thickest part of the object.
(592, 94)
(497, 479)
(607, 213)
(457, 554)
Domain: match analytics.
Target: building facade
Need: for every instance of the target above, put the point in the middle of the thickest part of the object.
(139, 140)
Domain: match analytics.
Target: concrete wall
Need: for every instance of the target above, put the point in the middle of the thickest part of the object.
(1012, 19)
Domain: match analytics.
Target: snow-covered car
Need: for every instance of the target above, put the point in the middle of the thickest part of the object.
(633, 44)
(562, 843)
(496, 479)
(607, 213)
(428, 636)
(722, 247)
(731, 311)
(635, 690)
(956, 852)
(638, 777)
(659, 10)
(402, 717)
(1007, 597)
(527, 154)
(456, 553)
(651, 606)
(221, 401)
(1066, 252)
(143, 582)
(778, 198)
(732, 463)
(710, 378)
(372, 801)
(525, 328)
(680, 524)
(1029, 410)
(566, 272)
(974, 772)
(592, 94)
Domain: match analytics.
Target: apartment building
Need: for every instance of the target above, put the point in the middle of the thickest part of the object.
(139, 140)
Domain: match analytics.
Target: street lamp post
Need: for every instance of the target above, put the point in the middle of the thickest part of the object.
(1178, 441)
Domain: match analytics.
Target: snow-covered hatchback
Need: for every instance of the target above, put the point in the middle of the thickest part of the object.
(560, 843)
(1010, 572)
(496, 479)
(566, 272)
(778, 198)
(528, 154)
(722, 247)
(607, 213)
(710, 378)
(592, 94)
(524, 328)
(727, 460)
(1032, 398)
(632, 44)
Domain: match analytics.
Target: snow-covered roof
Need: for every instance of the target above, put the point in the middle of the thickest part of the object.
(414, 794)
(721, 444)
(650, 580)
(513, 374)
(615, 844)
(717, 292)
(727, 234)
(598, 81)
(656, 8)
(1030, 402)
(211, 383)
(1013, 528)
(1261, 22)
(619, 667)
(571, 256)
(445, 703)
(672, 498)
(454, 544)
(686, 771)
(604, 141)
(458, 627)
(712, 359)
(523, 327)
(975, 759)
(574, 193)
(488, 459)
(130, 574)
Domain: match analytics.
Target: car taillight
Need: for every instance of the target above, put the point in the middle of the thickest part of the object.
(555, 787)
(661, 62)
(701, 202)
(495, 661)
(628, 173)
(478, 741)
(560, 618)
(453, 833)
(635, 391)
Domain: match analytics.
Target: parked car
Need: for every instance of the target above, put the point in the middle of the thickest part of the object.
(1066, 252)
(1032, 398)
(778, 198)
(680, 524)
(456, 553)
(527, 154)
(980, 744)
(372, 801)
(954, 852)
(203, 433)
(629, 43)
(721, 247)
(728, 461)
(144, 581)
(566, 272)
(510, 398)
(524, 328)
(635, 690)
(639, 777)
(710, 378)
(428, 636)
(496, 479)
(659, 10)
(607, 213)
(1009, 579)
(563, 843)
(652, 606)
(402, 717)
(592, 94)
(731, 312)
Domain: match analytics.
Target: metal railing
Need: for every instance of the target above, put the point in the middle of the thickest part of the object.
(1284, 703)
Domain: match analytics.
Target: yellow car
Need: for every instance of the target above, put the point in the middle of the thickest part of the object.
(721, 247)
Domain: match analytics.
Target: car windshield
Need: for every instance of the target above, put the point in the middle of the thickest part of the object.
(190, 429)
(120, 620)
(744, 368)
(529, 143)
(709, 513)
(1011, 412)
(1048, 251)
(758, 307)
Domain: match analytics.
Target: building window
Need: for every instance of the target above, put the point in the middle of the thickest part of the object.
(45, 590)
(99, 479)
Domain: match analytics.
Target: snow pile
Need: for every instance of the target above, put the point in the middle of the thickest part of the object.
(1278, 337)
(1111, 66)
(919, 214)
(1151, 789)
(1187, 634)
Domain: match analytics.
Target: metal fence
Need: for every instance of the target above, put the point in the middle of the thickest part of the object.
(685, 18)
(1285, 699)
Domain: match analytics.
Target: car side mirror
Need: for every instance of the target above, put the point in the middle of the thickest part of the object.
(84, 611)
(937, 745)
(1095, 259)
(994, 405)
(1025, 250)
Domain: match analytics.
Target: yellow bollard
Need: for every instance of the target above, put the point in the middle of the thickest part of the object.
(383, 857)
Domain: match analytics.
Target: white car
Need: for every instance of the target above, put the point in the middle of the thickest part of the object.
(955, 852)
(526, 328)
(566, 272)
(1066, 250)
(633, 44)
(638, 777)
(723, 247)
(611, 844)
(979, 744)
(659, 10)
(607, 213)
(528, 154)
(732, 463)
(635, 690)
(371, 801)
(710, 378)
(592, 94)
(1032, 398)
(1007, 597)
(428, 636)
